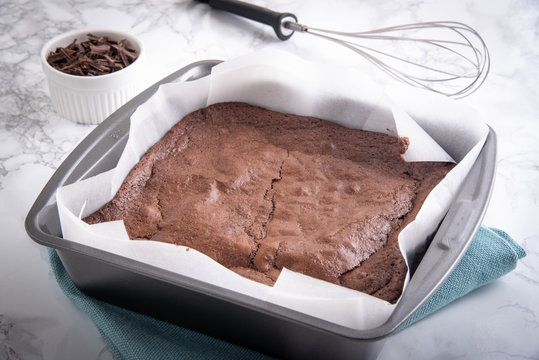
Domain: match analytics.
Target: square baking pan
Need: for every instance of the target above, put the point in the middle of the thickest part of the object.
(225, 314)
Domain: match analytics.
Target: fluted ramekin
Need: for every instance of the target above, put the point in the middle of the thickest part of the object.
(91, 99)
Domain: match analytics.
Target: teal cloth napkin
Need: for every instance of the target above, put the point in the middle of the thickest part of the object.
(130, 335)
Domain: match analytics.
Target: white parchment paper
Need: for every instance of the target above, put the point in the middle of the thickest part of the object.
(284, 83)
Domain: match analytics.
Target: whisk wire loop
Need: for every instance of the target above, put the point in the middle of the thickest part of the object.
(461, 48)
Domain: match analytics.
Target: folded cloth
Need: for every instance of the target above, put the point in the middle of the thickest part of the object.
(492, 253)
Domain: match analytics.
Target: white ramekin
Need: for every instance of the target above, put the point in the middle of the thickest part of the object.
(91, 99)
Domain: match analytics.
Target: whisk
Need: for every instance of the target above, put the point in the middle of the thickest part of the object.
(446, 57)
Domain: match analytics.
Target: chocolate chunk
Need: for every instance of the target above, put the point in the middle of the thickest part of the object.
(93, 57)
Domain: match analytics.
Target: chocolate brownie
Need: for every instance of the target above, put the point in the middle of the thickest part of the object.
(258, 190)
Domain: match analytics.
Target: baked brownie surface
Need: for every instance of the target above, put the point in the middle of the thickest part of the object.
(258, 190)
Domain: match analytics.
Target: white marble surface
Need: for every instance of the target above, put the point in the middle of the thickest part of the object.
(499, 321)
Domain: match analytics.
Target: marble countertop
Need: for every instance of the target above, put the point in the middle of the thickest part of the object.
(498, 321)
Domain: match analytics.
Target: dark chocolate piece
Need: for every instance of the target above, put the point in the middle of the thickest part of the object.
(93, 57)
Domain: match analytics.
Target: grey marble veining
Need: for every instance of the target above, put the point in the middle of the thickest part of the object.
(498, 321)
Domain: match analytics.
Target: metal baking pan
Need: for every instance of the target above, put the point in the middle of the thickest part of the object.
(231, 316)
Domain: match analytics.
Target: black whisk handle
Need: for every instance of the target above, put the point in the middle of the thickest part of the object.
(256, 13)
